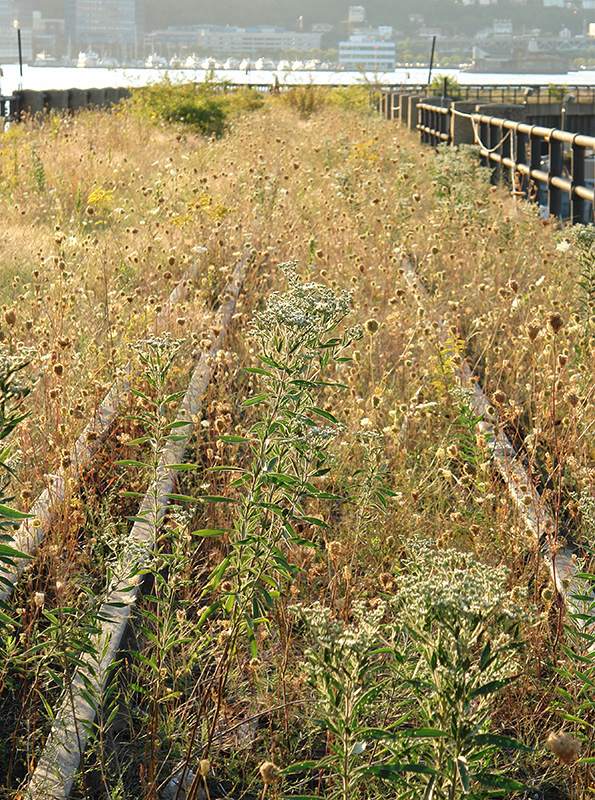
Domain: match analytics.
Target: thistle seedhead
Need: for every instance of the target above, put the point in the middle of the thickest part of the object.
(555, 322)
(269, 772)
(564, 746)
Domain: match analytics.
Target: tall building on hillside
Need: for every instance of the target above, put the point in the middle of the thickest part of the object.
(113, 26)
(16, 14)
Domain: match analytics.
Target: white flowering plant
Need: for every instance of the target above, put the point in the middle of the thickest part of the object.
(13, 391)
(579, 241)
(462, 629)
(346, 668)
(301, 337)
(405, 690)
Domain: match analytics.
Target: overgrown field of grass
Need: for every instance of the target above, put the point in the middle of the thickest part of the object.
(343, 600)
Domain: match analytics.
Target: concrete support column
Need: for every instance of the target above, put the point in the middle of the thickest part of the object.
(57, 100)
(96, 98)
(404, 107)
(79, 99)
(461, 128)
(31, 102)
(517, 113)
(412, 115)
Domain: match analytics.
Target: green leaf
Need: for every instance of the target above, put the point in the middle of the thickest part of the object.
(11, 552)
(214, 498)
(302, 796)
(209, 532)
(11, 513)
(391, 771)
(226, 469)
(252, 401)
(218, 573)
(179, 467)
(572, 718)
(207, 612)
(142, 396)
(499, 782)
(315, 521)
(233, 439)
(486, 658)
(325, 414)
(142, 440)
(257, 371)
(300, 766)
(427, 733)
(498, 741)
(463, 773)
(130, 463)
(491, 687)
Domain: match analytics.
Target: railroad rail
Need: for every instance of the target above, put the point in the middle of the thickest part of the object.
(527, 500)
(43, 513)
(56, 769)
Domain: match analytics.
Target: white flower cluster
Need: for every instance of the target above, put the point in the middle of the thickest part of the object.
(156, 355)
(345, 645)
(166, 347)
(318, 437)
(309, 309)
(453, 588)
(583, 236)
(586, 505)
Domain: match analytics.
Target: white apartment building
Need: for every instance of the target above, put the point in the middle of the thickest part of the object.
(371, 56)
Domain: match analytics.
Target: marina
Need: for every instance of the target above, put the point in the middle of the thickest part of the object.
(43, 78)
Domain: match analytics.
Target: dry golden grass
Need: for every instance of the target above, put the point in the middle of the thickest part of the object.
(102, 213)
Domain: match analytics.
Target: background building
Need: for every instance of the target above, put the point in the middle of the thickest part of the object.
(115, 27)
(231, 41)
(361, 53)
(13, 14)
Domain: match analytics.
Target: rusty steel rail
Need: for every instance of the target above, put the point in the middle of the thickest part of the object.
(533, 511)
(33, 530)
(54, 774)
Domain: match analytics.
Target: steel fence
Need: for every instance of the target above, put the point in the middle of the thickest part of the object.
(548, 166)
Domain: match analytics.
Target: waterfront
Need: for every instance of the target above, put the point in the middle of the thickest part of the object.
(46, 78)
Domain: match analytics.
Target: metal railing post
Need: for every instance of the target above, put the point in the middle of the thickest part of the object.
(484, 136)
(535, 159)
(505, 149)
(445, 125)
(521, 180)
(556, 164)
(495, 146)
(577, 204)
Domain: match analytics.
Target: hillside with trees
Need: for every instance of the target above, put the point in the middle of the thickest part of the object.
(449, 15)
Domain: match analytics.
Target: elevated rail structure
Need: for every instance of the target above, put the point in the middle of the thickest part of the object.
(548, 165)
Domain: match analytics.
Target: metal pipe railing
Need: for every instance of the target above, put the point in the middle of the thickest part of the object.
(526, 150)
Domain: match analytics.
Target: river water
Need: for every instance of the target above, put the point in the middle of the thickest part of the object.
(45, 78)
